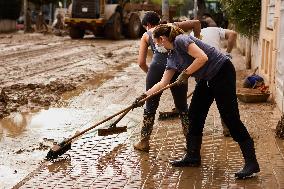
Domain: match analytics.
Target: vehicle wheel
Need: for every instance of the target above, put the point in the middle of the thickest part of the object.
(134, 27)
(76, 33)
(99, 32)
(113, 29)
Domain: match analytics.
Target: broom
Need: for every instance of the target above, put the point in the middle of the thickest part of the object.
(61, 148)
(171, 114)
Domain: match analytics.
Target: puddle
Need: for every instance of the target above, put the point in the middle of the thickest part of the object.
(30, 135)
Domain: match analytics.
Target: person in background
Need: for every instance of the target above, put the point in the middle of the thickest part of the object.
(209, 20)
(214, 36)
(154, 74)
(29, 21)
(216, 77)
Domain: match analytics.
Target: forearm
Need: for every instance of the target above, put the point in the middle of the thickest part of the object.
(196, 65)
(230, 46)
(143, 49)
(190, 25)
(231, 37)
(166, 79)
(197, 29)
(142, 61)
(144, 67)
(199, 61)
(155, 88)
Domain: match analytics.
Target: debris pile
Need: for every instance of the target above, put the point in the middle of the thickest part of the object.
(253, 89)
(16, 96)
(280, 128)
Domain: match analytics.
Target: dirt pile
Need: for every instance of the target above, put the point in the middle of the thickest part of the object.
(19, 96)
(280, 128)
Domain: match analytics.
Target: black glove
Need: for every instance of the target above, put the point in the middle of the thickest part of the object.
(182, 78)
(138, 103)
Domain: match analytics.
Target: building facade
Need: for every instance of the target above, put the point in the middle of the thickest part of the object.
(271, 48)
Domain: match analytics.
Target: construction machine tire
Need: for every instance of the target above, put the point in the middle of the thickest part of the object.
(134, 27)
(76, 33)
(113, 29)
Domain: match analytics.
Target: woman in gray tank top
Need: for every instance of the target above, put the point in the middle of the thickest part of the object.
(216, 81)
(154, 74)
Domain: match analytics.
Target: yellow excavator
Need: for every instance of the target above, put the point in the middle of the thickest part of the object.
(107, 18)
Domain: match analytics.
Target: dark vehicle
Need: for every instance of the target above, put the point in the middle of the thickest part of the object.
(110, 18)
(103, 18)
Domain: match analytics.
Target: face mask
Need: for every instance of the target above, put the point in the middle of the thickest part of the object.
(161, 49)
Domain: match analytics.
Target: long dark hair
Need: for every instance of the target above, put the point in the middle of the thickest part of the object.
(167, 30)
(152, 18)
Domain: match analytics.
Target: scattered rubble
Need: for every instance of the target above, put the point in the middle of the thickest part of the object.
(41, 147)
(16, 96)
(280, 128)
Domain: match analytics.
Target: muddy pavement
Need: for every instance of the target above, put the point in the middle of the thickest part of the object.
(111, 81)
(35, 71)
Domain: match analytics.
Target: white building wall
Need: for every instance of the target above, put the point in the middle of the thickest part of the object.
(279, 68)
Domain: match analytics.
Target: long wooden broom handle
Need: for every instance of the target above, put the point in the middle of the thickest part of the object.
(120, 117)
(124, 110)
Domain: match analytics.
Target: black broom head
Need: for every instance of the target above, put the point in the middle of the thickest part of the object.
(58, 150)
(167, 115)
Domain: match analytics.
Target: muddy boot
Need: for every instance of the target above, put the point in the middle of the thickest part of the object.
(185, 123)
(146, 131)
(226, 131)
(251, 165)
(192, 157)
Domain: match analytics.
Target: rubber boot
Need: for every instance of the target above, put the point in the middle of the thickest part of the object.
(251, 165)
(146, 130)
(192, 157)
(185, 123)
(226, 131)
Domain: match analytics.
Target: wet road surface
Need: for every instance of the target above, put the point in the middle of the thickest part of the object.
(111, 161)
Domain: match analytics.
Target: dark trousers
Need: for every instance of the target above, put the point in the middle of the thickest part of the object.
(179, 93)
(222, 88)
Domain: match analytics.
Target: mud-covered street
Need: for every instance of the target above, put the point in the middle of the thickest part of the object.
(52, 87)
(36, 70)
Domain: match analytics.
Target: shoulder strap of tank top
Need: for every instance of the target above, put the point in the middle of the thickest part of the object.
(151, 42)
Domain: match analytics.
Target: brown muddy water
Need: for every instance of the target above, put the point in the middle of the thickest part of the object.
(25, 138)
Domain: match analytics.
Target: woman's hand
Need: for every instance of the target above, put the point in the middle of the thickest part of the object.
(182, 78)
(138, 103)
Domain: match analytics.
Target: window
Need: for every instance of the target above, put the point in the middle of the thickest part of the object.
(270, 14)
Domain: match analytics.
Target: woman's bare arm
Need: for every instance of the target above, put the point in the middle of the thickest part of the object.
(166, 79)
(199, 61)
(143, 49)
(190, 25)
